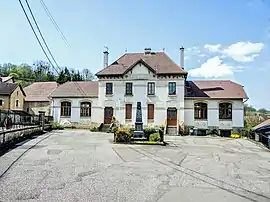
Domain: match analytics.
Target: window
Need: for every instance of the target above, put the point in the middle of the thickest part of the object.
(150, 112)
(65, 108)
(225, 111)
(85, 109)
(172, 113)
(200, 111)
(128, 111)
(1, 103)
(17, 103)
(128, 88)
(151, 88)
(172, 88)
(109, 88)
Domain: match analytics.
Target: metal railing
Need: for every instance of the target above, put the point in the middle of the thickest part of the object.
(10, 119)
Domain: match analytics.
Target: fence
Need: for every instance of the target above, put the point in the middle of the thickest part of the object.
(20, 119)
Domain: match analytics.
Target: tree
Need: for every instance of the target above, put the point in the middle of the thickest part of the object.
(263, 110)
(87, 75)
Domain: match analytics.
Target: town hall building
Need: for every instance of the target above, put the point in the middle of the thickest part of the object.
(167, 97)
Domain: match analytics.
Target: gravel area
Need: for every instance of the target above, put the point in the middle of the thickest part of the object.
(78, 165)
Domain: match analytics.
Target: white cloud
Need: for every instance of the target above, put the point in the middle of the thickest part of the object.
(212, 48)
(213, 67)
(244, 51)
(240, 51)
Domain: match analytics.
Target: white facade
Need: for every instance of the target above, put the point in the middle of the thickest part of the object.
(140, 76)
(75, 111)
(213, 120)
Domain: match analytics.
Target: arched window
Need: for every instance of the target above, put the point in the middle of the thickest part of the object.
(85, 109)
(200, 110)
(225, 111)
(65, 108)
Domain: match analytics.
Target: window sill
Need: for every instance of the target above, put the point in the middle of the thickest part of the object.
(128, 95)
(172, 95)
(151, 95)
(108, 95)
(65, 116)
(150, 120)
(128, 120)
(225, 119)
(85, 116)
(200, 119)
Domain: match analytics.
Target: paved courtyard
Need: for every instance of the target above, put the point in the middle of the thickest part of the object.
(84, 166)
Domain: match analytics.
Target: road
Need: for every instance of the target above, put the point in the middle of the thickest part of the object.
(78, 165)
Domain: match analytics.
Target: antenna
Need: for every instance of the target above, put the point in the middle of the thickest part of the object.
(163, 49)
(126, 50)
(106, 48)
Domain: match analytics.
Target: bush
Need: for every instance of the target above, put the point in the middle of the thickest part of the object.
(57, 126)
(94, 129)
(122, 135)
(114, 129)
(155, 137)
(149, 131)
(131, 130)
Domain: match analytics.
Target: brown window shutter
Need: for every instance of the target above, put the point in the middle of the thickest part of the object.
(128, 111)
(150, 112)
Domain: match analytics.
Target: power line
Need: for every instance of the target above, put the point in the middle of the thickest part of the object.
(54, 23)
(37, 36)
(41, 34)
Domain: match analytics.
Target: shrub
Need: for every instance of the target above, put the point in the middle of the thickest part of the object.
(149, 131)
(114, 129)
(94, 129)
(154, 137)
(57, 126)
(122, 135)
(131, 130)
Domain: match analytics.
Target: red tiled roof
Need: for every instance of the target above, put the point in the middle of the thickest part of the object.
(39, 91)
(76, 89)
(158, 61)
(216, 89)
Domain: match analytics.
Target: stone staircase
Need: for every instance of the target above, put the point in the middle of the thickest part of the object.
(171, 130)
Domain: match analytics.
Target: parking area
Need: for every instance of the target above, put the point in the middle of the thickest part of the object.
(78, 165)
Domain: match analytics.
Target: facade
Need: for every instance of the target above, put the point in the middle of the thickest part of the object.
(166, 97)
(11, 96)
(76, 102)
(37, 100)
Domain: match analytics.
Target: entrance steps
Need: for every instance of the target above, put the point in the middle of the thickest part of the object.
(171, 130)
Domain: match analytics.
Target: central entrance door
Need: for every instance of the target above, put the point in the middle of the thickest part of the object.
(171, 116)
(108, 113)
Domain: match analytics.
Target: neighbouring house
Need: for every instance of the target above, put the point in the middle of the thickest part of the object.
(12, 96)
(6, 79)
(76, 102)
(36, 99)
(166, 97)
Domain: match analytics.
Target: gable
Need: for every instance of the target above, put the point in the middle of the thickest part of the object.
(140, 71)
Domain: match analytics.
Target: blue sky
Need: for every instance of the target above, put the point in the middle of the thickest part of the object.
(222, 39)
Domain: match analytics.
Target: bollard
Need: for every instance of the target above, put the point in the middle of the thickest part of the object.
(257, 137)
(42, 119)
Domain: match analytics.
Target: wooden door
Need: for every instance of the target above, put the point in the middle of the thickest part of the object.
(108, 113)
(171, 116)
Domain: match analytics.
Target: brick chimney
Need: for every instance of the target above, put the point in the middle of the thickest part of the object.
(182, 58)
